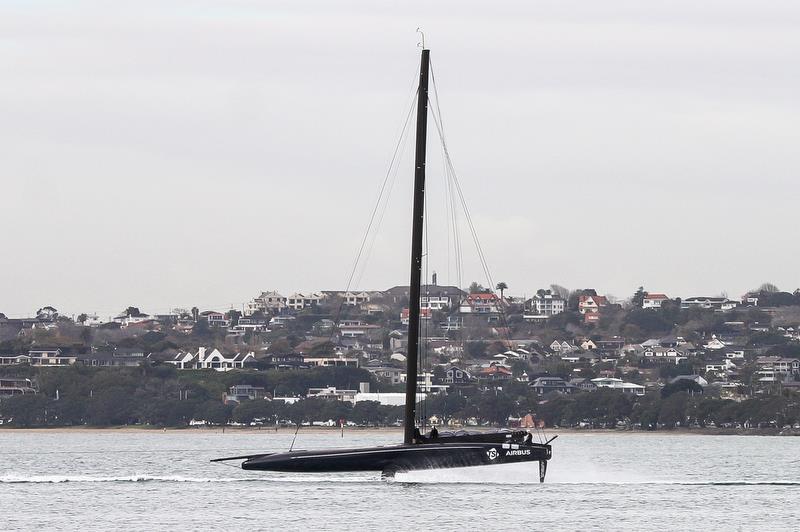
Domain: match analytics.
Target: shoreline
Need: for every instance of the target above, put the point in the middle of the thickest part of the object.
(389, 430)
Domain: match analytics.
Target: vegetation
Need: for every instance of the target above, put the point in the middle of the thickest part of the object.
(162, 396)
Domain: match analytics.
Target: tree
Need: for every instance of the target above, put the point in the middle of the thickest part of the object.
(47, 314)
(82, 318)
(502, 287)
(475, 287)
(560, 291)
(234, 316)
(768, 287)
(132, 312)
(439, 375)
(638, 297)
(195, 313)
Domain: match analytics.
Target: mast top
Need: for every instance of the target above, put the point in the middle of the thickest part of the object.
(421, 44)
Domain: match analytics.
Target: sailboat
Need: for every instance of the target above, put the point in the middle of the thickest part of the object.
(433, 451)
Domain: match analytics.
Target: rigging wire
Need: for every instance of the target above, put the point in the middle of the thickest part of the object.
(380, 200)
(456, 185)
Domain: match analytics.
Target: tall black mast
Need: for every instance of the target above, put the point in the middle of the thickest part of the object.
(416, 250)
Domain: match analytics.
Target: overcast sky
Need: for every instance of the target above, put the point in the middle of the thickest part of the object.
(168, 153)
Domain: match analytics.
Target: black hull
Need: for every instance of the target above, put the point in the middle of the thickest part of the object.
(397, 458)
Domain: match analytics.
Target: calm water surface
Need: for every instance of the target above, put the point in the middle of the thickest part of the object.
(157, 481)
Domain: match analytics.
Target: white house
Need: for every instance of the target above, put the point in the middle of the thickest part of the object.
(355, 298)
(653, 300)
(480, 303)
(548, 304)
(716, 303)
(715, 343)
(210, 360)
(562, 347)
(299, 301)
(618, 384)
(591, 304)
(216, 319)
(266, 302)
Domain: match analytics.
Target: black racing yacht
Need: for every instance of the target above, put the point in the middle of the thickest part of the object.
(435, 450)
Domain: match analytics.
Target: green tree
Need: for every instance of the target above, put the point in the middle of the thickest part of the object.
(502, 287)
(475, 288)
(638, 297)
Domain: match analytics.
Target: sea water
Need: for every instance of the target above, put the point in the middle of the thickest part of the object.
(121, 480)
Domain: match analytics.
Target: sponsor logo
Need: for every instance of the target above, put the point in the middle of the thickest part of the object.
(492, 453)
(519, 452)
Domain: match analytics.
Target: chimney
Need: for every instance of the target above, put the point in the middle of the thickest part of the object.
(433, 279)
(363, 387)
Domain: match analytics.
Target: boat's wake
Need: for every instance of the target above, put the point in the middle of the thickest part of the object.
(440, 476)
(58, 479)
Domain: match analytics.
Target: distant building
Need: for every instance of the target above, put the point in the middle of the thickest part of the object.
(214, 359)
(591, 304)
(387, 373)
(652, 301)
(332, 361)
(331, 392)
(545, 385)
(244, 392)
(617, 384)
(480, 303)
(715, 303)
(548, 304)
(456, 375)
(10, 386)
(271, 302)
(299, 301)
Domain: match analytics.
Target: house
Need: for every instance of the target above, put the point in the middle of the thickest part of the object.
(697, 379)
(591, 304)
(661, 354)
(562, 347)
(777, 368)
(456, 375)
(480, 303)
(252, 324)
(13, 386)
(715, 343)
(424, 314)
(433, 296)
(494, 372)
(545, 385)
(452, 323)
(386, 373)
(244, 392)
(720, 367)
(651, 301)
(338, 360)
(279, 322)
(299, 301)
(618, 384)
(210, 360)
(591, 317)
(283, 361)
(581, 357)
(610, 347)
(120, 357)
(716, 303)
(583, 384)
(355, 298)
(50, 357)
(588, 344)
(266, 302)
(331, 393)
(545, 303)
(215, 319)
